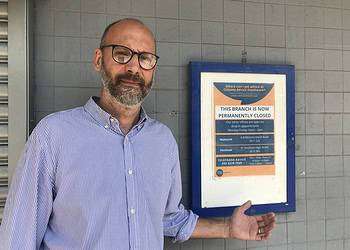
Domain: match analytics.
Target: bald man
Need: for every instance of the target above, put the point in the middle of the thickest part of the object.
(106, 175)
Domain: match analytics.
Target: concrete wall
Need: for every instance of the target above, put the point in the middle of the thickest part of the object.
(314, 35)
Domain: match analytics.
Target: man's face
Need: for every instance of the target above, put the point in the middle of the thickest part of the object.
(128, 83)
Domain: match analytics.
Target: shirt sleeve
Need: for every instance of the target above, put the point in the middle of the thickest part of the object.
(178, 222)
(29, 202)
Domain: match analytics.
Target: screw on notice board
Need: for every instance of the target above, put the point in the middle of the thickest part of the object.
(244, 57)
(173, 113)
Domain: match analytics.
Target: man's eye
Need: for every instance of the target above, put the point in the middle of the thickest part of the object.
(121, 57)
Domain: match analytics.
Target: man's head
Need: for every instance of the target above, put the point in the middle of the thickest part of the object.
(126, 61)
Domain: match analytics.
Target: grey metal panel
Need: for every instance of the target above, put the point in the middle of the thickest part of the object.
(3, 104)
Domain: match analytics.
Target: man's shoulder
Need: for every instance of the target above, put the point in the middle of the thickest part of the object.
(160, 129)
(58, 120)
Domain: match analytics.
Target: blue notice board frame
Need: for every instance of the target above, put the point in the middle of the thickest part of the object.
(196, 68)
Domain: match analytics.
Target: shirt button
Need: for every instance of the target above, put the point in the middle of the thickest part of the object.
(106, 126)
(132, 211)
(130, 171)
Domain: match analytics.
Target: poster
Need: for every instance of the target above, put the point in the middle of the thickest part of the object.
(244, 129)
(242, 137)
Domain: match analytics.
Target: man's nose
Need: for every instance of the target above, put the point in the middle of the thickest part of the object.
(133, 65)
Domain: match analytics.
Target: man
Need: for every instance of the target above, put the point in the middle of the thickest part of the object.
(105, 175)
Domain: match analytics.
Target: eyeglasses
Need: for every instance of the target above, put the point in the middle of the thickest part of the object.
(123, 55)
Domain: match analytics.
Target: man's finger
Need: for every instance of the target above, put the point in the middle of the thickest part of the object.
(245, 206)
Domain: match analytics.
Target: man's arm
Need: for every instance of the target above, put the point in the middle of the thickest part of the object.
(29, 202)
(238, 226)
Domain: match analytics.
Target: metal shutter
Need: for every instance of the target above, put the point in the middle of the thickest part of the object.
(3, 105)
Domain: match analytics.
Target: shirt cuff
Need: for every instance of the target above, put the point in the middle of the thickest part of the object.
(187, 229)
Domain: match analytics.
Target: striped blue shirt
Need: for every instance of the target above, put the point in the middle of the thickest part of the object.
(82, 184)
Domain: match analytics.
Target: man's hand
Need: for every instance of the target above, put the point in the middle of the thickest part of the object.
(244, 227)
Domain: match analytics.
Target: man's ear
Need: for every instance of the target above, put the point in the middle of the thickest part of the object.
(97, 60)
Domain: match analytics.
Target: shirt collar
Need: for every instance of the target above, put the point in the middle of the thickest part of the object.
(104, 118)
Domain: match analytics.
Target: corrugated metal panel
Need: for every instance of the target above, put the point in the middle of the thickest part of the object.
(3, 104)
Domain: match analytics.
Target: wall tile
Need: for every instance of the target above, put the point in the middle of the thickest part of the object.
(346, 39)
(334, 166)
(316, 230)
(190, 31)
(332, 39)
(212, 10)
(333, 102)
(67, 49)
(333, 18)
(67, 24)
(96, 6)
(167, 8)
(346, 19)
(212, 32)
(316, 245)
(44, 48)
(254, 35)
(189, 52)
(295, 37)
(335, 244)
(232, 53)
(315, 188)
(275, 36)
(334, 187)
(300, 102)
(333, 81)
(44, 21)
(314, 166)
(118, 6)
(66, 98)
(314, 102)
(314, 17)
(93, 25)
(296, 232)
(66, 73)
(314, 124)
(233, 11)
(314, 38)
(296, 57)
(333, 123)
(254, 13)
(275, 55)
(167, 78)
(346, 122)
(143, 7)
(256, 54)
(335, 208)
(44, 100)
(213, 52)
(168, 53)
(167, 30)
(314, 81)
(233, 33)
(316, 208)
(314, 145)
(314, 59)
(190, 9)
(274, 14)
(346, 102)
(43, 73)
(88, 46)
(295, 16)
(333, 60)
(334, 229)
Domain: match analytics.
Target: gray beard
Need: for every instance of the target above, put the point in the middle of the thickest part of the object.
(126, 95)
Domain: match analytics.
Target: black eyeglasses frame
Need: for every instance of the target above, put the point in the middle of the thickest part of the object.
(132, 55)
